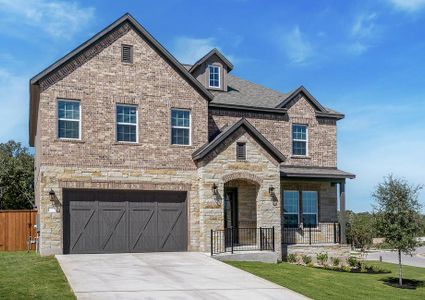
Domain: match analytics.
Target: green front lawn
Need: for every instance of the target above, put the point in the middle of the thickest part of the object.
(28, 276)
(326, 284)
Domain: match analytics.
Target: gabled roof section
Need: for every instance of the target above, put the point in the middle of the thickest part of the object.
(302, 91)
(126, 18)
(227, 132)
(208, 55)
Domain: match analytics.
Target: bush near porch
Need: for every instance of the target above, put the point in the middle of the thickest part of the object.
(29, 276)
(328, 284)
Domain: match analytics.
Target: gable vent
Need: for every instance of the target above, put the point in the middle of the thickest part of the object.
(127, 53)
(241, 151)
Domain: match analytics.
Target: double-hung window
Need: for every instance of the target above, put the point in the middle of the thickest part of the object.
(180, 127)
(290, 208)
(309, 204)
(214, 76)
(69, 119)
(126, 123)
(299, 140)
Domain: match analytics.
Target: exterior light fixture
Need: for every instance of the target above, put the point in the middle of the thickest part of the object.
(52, 196)
(215, 189)
(271, 190)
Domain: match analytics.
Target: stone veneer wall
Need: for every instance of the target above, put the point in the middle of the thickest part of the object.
(341, 251)
(221, 167)
(57, 178)
(247, 202)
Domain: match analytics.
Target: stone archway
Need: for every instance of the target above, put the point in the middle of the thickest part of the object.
(242, 176)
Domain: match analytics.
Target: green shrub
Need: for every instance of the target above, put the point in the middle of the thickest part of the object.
(306, 259)
(346, 269)
(352, 262)
(335, 261)
(322, 258)
(291, 258)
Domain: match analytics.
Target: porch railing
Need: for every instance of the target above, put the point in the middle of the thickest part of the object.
(242, 239)
(322, 233)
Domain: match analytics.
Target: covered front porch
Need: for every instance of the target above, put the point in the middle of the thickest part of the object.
(313, 209)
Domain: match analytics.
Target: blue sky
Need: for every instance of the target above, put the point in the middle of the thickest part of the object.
(363, 58)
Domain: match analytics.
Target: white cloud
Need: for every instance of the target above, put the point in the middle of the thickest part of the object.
(408, 5)
(14, 107)
(60, 19)
(188, 50)
(364, 31)
(297, 48)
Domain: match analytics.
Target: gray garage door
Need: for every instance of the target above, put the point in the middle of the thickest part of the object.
(124, 221)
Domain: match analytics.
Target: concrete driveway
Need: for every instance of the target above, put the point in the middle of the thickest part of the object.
(417, 260)
(186, 275)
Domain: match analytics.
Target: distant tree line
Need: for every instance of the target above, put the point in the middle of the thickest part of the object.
(16, 176)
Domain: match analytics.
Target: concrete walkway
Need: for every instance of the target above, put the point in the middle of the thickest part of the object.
(186, 275)
(417, 260)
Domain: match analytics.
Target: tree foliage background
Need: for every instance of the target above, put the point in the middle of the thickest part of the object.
(16, 176)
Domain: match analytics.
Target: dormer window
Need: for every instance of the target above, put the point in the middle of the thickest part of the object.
(214, 76)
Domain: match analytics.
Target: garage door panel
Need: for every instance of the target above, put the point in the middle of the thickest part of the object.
(113, 228)
(124, 221)
(143, 227)
(83, 231)
(171, 227)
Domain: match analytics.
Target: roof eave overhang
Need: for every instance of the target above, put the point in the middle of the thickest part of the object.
(316, 176)
(214, 51)
(248, 108)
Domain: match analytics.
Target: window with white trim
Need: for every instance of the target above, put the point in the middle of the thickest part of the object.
(180, 127)
(126, 123)
(214, 76)
(299, 139)
(290, 208)
(69, 119)
(309, 205)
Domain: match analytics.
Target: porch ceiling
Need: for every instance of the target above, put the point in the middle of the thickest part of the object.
(311, 172)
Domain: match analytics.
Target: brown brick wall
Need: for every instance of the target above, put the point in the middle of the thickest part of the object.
(277, 129)
(102, 82)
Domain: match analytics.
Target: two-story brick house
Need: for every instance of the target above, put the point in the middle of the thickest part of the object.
(136, 152)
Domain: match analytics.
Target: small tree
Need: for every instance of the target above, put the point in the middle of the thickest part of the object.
(398, 215)
(361, 230)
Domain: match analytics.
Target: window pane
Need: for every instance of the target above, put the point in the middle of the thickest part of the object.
(180, 118)
(180, 136)
(290, 220)
(299, 148)
(214, 79)
(126, 133)
(126, 114)
(290, 208)
(309, 202)
(69, 110)
(299, 132)
(290, 201)
(69, 129)
(309, 220)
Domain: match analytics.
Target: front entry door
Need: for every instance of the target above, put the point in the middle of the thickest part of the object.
(231, 216)
(230, 208)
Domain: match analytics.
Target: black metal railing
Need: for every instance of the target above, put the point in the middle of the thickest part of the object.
(322, 233)
(242, 239)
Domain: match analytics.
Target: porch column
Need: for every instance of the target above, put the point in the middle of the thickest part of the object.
(342, 218)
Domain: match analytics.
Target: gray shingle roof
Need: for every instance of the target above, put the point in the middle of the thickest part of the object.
(244, 92)
(309, 172)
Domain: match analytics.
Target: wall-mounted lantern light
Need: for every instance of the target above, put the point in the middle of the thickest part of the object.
(52, 196)
(271, 190)
(215, 189)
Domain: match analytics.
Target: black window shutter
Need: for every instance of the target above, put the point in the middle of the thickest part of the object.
(241, 151)
(127, 53)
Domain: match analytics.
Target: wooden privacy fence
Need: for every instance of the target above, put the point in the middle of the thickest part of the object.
(16, 227)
